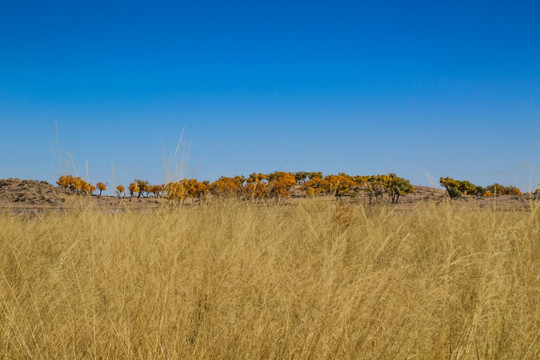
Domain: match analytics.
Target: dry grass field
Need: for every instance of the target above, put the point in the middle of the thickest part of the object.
(309, 280)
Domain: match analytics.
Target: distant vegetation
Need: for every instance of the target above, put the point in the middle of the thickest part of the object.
(258, 186)
(456, 188)
(76, 184)
(279, 185)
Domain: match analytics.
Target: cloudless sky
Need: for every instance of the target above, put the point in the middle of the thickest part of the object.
(364, 87)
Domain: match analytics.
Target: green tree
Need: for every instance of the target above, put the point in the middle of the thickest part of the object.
(451, 186)
(453, 192)
(480, 191)
(143, 187)
(375, 186)
(466, 187)
(396, 187)
(499, 189)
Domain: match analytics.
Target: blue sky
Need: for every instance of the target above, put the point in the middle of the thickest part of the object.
(452, 87)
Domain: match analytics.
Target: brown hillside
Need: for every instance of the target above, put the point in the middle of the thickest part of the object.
(30, 192)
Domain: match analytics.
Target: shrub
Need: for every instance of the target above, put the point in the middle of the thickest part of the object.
(499, 189)
(481, 191)
(453, 192)
(467, 187)
(456, 188)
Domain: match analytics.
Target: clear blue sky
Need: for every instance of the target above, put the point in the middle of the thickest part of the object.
(452, 87)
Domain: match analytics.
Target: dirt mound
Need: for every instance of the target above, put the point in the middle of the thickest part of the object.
(30, 192)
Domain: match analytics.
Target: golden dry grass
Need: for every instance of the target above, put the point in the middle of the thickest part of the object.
(311, 280)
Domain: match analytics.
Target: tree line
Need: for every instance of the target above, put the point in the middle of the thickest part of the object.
(280, 184)
(257, 186)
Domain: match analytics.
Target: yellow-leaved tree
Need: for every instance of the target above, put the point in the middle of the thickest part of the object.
(280, 184)
(120, 190)
(101, 187)
(133, 189)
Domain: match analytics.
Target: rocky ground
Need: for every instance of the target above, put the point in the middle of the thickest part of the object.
(32, 194)
(16, 194)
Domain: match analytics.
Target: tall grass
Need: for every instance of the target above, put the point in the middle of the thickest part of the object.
(312, 280)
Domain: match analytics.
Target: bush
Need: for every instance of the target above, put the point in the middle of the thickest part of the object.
(453, 192)
(499, 189)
